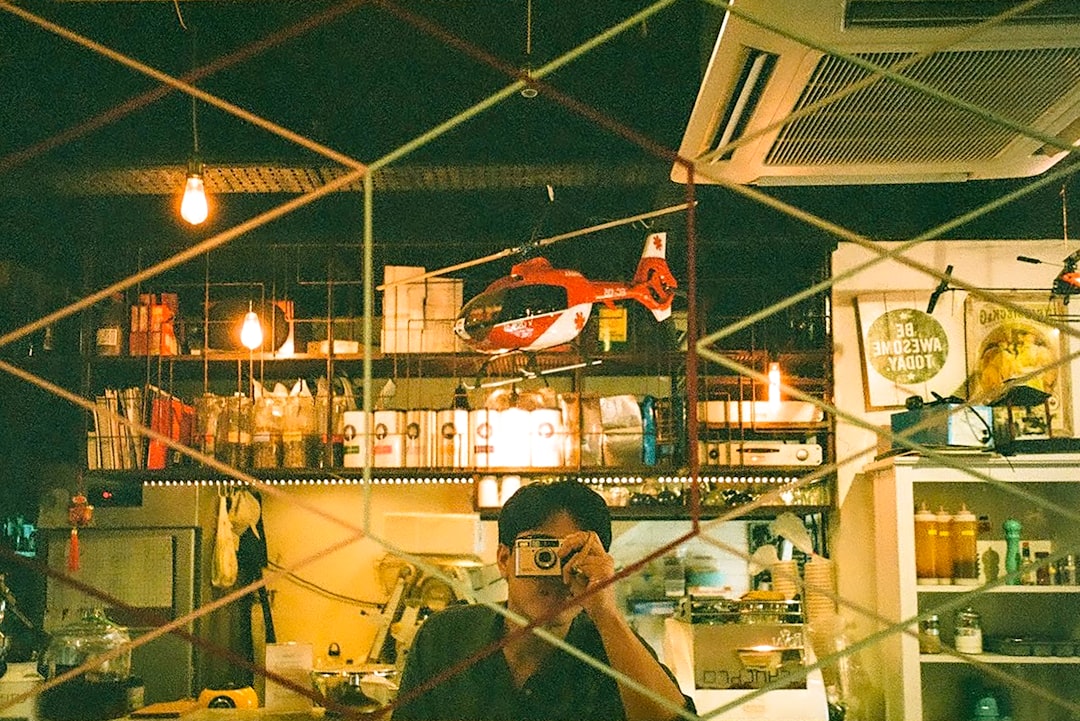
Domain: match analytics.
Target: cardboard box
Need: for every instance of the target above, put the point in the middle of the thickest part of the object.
(418, 317)
(294, 662)
(20, 678)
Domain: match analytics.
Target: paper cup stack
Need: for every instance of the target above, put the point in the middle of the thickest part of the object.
(820, 590)
(785, 578)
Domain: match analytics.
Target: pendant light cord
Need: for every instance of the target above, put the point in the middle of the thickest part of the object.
(528, 29)
(194, 126)
(179, 15)
(1065, 213)
(194, 103)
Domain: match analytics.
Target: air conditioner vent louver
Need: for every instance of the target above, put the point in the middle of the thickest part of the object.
(755, 75)
(887, 122)
(1009, 88)
(936, 13)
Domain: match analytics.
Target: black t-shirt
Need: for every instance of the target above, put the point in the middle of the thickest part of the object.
(565, 687)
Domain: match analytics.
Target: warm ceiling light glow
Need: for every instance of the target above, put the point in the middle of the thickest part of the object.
(194, 208)
(251, 333)
(774, 384)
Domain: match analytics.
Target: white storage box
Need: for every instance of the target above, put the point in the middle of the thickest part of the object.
(20, 678)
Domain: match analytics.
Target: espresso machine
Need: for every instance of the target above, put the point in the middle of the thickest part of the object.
(721, 650)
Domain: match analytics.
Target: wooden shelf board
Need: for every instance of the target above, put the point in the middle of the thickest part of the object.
(1000, 589)
(944, 658)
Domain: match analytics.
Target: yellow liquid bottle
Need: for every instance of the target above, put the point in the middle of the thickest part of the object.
(943, 556)
(926, 532)
(964, 529)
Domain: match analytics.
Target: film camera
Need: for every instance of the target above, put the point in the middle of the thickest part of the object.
(537, 557)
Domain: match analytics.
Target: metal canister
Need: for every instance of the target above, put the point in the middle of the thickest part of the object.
(930, 635)
(968, 634)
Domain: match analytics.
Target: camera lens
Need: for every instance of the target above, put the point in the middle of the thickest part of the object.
(546, 558)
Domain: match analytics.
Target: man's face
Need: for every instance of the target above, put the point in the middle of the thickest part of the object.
(539, 597)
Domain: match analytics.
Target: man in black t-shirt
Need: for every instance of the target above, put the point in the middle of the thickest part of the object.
(470, 662)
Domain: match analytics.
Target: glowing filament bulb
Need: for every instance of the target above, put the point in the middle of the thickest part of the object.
(774, 385)
(251, 334)
(194, 208)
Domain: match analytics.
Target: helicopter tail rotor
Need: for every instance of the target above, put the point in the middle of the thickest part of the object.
(653, 278)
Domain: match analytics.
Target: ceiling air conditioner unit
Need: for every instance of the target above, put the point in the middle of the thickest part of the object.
(762, 76)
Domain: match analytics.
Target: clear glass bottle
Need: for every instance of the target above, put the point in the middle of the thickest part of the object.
(1066, 575)
(1044, 573)
(1027, 578)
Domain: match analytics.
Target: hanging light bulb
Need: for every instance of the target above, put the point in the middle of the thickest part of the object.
(194, 207)
(251, 334)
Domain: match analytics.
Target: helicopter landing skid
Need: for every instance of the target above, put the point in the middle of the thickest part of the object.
(529, 371)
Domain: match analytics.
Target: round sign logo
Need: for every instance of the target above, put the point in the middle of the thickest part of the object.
(907, 345)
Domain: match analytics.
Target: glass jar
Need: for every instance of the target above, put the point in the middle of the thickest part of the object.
(968, 633)
(930, 635)
(233, 443)
(92, 635)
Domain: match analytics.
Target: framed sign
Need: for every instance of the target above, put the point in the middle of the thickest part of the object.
(1003, 345)
(906, 351)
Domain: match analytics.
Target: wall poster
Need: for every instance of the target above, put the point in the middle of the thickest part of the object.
(907, 351)
(1003, 345)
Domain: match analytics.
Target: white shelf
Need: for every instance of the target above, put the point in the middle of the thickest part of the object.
(933, 658)
(998, 589)
(989, 483)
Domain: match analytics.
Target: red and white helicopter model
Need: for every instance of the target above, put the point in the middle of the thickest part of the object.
(539, 306)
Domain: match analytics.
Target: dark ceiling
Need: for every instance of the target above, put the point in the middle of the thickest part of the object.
(93, 151)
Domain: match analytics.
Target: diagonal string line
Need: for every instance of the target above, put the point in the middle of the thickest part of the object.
(189, 89)
(149, 97)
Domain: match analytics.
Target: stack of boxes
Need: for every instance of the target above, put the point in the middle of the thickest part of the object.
(418, 316)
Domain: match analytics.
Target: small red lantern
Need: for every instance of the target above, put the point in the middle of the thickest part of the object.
(80, 515)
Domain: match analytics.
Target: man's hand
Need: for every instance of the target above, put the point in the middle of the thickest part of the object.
(587, 566)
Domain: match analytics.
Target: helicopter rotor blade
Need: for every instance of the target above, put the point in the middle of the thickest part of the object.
(539, 243)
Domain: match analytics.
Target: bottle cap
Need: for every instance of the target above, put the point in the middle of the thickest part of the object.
(964, 514)
(924, 511)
